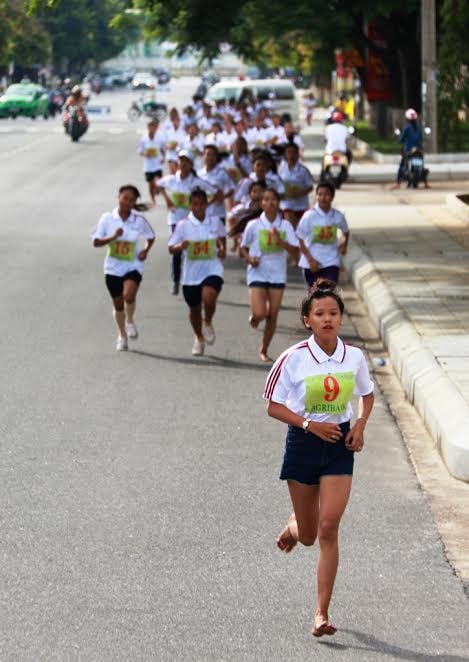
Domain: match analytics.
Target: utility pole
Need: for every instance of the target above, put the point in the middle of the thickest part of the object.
(429, 72)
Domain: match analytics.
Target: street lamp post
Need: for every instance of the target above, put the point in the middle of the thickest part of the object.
(429, 73)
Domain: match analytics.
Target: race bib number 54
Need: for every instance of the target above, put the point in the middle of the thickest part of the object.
(201, 250)
(329, 394)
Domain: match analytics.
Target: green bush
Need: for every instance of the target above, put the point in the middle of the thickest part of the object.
(369, 135)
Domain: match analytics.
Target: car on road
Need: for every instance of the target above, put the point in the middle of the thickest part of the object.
(281, 92)
(144, 80)
(28, 99)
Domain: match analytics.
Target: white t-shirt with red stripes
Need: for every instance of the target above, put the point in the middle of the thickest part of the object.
(317, 386)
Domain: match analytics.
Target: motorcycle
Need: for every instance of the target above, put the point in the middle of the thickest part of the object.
(75, 123)
(335, 167)
(56, 101)
(415, 172)
(415, 167)
(150, 109)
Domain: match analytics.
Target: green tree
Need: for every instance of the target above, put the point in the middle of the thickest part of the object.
(306, 31)
(23, 39)
(81, 31)
(453, 71)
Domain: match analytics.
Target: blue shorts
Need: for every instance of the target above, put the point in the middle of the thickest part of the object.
(331, 273)
(307, 457)
(265, 285)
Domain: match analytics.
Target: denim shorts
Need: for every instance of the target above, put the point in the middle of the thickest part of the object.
(307, 457)
(265, 285)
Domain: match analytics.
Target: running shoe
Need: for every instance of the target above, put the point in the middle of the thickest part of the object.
(209, 334)
(132, 332)
(198, 347)
(122, 345)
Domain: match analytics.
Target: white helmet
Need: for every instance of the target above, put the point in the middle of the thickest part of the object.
(411, 114)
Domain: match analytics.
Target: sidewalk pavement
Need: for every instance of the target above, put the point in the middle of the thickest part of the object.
(409, 258)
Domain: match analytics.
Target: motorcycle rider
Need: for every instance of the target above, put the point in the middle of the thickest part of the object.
(337, 135)
(411, 137)
(76, 101)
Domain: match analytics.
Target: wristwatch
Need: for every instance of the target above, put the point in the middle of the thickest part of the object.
(305, 424)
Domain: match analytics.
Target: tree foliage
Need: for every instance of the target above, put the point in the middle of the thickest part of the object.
(302, 32)
(22, 37)
(81, 31)
(453, 70)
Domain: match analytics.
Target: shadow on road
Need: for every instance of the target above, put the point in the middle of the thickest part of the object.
(370, 643)
(237, 304)
(216, 361)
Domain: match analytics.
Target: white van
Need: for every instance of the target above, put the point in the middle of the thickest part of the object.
(283, 91)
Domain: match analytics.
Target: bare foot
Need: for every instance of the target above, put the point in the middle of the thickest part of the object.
(393, 187)
(322, 626)
(286, 542)
(265, 358)
(253, 322)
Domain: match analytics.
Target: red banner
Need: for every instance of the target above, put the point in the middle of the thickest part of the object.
(378, 82)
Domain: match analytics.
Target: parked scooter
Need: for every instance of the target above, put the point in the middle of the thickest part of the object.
(150, 109)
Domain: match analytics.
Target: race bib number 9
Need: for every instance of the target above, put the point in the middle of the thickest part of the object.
(268, 243)
(151, 152)
(325, 234)
(122, 250)
(201, 250)
(180, 200)
(329, 394)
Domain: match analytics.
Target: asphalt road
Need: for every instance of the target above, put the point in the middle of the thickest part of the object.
(139, 490)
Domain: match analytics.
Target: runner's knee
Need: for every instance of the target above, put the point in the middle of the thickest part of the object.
(328, 531)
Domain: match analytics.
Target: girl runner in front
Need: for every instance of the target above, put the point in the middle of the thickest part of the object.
(265, 244)
(202, 241)
(310, 388)
(317, 232)
(120, 231)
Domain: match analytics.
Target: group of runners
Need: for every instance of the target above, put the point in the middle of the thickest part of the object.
(216, 188)
(235, 171)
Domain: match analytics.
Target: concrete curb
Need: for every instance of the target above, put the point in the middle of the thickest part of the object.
(457, 207)
(441, 406)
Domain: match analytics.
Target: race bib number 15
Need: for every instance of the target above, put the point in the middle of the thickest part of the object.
(329, 394)
(268, 243)
(122, 250)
